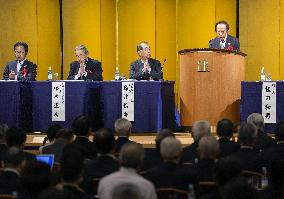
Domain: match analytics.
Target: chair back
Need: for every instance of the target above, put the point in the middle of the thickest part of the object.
(6, 196)
(253, 178)
(207, 187)
(171, 193)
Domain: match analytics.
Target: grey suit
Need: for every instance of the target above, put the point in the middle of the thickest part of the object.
(137, 66)
(232, 43)
(26, 72)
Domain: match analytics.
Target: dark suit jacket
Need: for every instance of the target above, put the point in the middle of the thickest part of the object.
(227, 147)
(119, 142)
(76, 192)
(93, 69)
(56, 148)
(232, 43)
(263, 141)
(85, 146)
(27, 65)
(97, 168)
(204, 169)
(249, 159)
(268, 155)
(190, 153)
(9, 182)
(137, 66)
(152, 158)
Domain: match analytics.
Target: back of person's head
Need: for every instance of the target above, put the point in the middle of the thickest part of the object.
(239, 189)
(81, 126)
(71, 165)
(14, 158)
(200, 128)
(257, 120)
(3, 129)
(122, 127)
(208, 147)
(279, 131)
(55, 193)
(126, 191)
(65, 134)
(16, 137)
(247, 134)
(225, 128)
(104, 141)
(276, 174)
(36, 176)
(132, 155)
(226, 169)
(163, 133)
(171, 149)
(52, 130)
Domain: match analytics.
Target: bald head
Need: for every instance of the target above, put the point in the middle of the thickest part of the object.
(208, 147)
(171, 149)
(200, 129)
(132, 155)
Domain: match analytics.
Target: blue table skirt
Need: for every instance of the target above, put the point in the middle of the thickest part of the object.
(251, 101)
(30, 104)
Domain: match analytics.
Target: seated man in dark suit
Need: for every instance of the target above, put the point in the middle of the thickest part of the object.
(14, 163)
(223, 39)
(21, 69)
(85, 68)
(123, 129)
(208, 150)
(81, 128)
(263, 141)
(199, 129)
(105, 164)
(170, 174)
(3, 145)
(247, 155)
(145, 68)
(225, 130)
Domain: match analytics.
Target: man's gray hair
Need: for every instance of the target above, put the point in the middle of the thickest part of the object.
(82, 47)
(200, 128)
(122, 127)
(142, 45)
(257, 120)
(132, 155)
(208, 147)
(171, 149)
(247, 134)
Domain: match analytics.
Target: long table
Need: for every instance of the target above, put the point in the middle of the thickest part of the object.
(28, 104)
(251, 101)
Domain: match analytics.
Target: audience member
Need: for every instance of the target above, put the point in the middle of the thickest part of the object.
(208, 150)
(199, 129)
(131, 159)
(105, 164)
(14, 163)
(152, 156)
(225, 129)
(81, 128)
(3, 145)
(55, 193)
(126, 191)
(123, 129)
(170, 174)
(263, 141)
(17, 137)
(247, 155)
(51, 134)
(62, 137)
(36, 177)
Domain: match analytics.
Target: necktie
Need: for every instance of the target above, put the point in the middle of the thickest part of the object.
(222, 44)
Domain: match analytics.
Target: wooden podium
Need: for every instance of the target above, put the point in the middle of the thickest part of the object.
(210, 85)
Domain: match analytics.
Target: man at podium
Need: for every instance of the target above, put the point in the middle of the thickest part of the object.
(145, 68)
(223, 39)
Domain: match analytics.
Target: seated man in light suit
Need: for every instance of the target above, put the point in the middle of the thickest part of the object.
(145, 68)
(223, 39)
(21, 69)
(85, 68)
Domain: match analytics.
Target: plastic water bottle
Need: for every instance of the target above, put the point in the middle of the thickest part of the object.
(191, 192)
(49, 74)
(262, 74)
(116, 74)
(264, 179)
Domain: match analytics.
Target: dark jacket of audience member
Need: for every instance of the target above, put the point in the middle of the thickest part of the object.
(199, 129)
(14, 163)
(225, 129)
(123, 129)
(81, 128)
(3, 145)
(105, 164)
